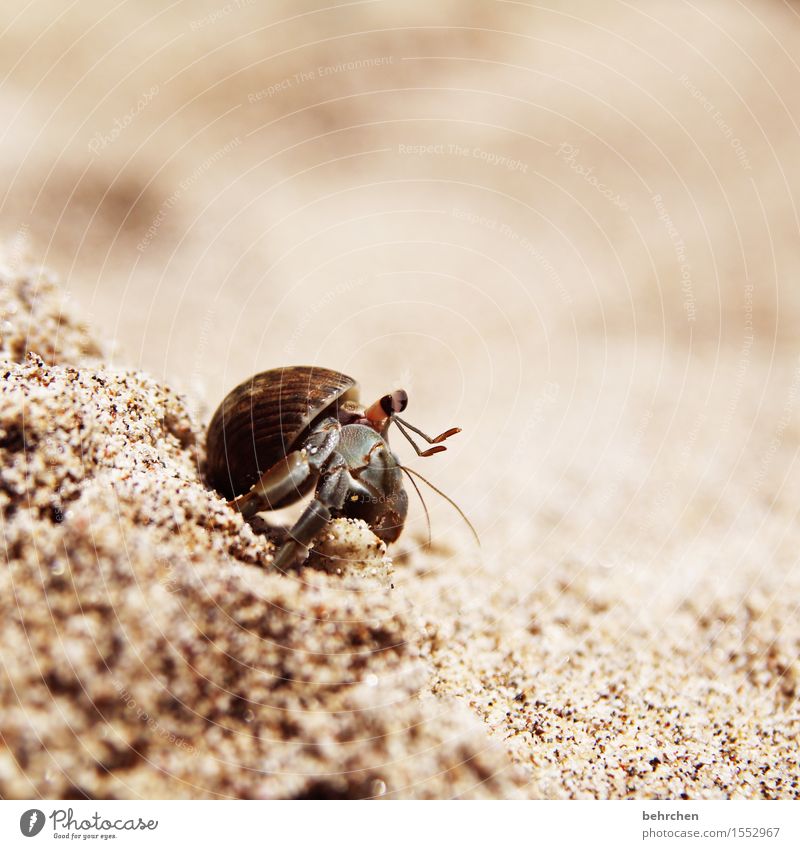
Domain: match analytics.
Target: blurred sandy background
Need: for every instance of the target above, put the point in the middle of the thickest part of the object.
(570, 228)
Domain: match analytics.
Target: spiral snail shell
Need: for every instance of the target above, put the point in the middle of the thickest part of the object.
(265, 418)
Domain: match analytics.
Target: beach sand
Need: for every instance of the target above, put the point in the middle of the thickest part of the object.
(570, 231)
(149, 649)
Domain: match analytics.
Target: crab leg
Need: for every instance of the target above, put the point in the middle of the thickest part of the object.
(291, 472)
(335, 482)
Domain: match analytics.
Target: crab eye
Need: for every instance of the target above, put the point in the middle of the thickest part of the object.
(381, 412)
(399, 400)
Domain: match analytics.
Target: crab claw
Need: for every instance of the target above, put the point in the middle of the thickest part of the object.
(447, 434)
(431, 451)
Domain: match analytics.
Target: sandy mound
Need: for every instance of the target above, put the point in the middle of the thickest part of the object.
(571, 231)
(147, 648)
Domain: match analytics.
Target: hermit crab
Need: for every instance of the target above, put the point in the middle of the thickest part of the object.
(287, 431)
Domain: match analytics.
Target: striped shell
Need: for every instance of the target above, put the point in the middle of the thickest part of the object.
(265, 418)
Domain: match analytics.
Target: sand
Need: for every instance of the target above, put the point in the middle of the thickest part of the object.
(150, 650)
(571, 231)
(147, 647)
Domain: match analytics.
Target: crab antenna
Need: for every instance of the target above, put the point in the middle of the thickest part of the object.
(447, 499)
(422, 501)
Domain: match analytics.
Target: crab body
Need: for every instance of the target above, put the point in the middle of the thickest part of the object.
(287, 432)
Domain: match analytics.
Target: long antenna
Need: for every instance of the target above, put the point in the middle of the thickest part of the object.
(446, 498)
(422, 500)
